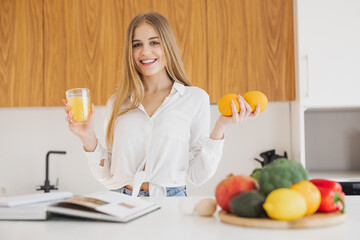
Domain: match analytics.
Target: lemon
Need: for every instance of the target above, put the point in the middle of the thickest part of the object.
(311, 194)
(285, 204)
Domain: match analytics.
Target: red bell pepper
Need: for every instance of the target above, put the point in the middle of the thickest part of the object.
(332, 196)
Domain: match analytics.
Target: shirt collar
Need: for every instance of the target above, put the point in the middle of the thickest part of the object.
(178, 86)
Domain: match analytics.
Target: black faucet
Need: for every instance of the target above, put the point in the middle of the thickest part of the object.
(47, 187)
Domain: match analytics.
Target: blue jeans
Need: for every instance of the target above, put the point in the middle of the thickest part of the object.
(170, 192)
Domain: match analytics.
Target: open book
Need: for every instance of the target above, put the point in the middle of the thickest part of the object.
(106, 206)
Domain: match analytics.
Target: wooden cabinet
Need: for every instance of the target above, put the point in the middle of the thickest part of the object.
(82, 48)
(21, 53)
(251, 47)
(84, 41)
(188, 21)
(49, 46)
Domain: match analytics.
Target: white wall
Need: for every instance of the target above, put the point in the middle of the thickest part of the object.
(26, 134)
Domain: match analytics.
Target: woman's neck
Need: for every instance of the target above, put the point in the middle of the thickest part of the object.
(156, 83)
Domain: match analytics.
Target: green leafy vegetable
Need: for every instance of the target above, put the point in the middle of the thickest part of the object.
(281, 173)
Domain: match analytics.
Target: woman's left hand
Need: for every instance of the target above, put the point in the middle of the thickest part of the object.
(223, 121)
(244, 114)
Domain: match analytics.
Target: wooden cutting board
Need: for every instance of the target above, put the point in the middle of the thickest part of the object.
(312, 221)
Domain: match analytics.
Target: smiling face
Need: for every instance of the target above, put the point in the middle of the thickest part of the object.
(147, 52)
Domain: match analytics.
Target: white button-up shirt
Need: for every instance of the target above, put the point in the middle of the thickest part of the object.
(162, 149)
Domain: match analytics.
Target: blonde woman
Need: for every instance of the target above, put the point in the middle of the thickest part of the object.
(157, 127)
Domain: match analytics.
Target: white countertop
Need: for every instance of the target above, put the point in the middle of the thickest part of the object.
(170, 223)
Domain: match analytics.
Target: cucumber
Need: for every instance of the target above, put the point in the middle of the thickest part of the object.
(248, 204)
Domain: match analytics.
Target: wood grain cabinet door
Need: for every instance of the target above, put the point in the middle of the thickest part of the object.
(188, 21)
(21, 53)
(50, 46)
(82, 48)
(251, 47)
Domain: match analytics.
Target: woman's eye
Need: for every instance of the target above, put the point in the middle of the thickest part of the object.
(154, 43)
(136, 45)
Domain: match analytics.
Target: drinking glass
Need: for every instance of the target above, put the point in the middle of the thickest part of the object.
(79, 103)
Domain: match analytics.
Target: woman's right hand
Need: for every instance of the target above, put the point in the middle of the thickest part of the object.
(84, 130)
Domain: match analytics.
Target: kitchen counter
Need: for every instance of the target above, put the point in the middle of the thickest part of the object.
(170, 223)
(342, 176)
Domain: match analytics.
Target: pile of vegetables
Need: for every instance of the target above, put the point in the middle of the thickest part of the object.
(279, 190)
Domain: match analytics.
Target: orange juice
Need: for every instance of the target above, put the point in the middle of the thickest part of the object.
(79, 107)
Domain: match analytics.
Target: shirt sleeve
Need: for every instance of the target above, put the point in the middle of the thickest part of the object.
(101, 173)
(205, 153)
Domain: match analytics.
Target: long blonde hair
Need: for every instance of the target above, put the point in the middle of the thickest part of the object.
(130, 79)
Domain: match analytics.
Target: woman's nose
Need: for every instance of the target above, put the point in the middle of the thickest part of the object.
(146, 50)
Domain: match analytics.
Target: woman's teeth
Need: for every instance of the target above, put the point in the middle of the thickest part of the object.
(148, 61)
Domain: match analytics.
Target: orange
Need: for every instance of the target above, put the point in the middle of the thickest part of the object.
(224, 104)
(311, 194)
(253, 98)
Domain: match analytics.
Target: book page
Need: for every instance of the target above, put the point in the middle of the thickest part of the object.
(111, 203)
(88, 202)
(119, 205)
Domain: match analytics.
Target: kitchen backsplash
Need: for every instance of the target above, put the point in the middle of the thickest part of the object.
(27, 134)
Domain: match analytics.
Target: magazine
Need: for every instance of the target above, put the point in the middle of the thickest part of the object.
(29, 206)
(29, 199)
(105, 206)
(27, 212)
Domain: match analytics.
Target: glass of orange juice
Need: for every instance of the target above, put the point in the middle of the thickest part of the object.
(79, 103)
